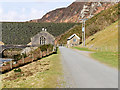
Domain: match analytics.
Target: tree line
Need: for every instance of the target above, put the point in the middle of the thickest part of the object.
(17, 33)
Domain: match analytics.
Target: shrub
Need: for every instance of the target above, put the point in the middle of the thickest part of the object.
(17, 70)
(24, 55)
(45, 47)
(17, 57)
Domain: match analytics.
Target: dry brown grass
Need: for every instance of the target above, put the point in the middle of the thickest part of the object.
(44, 73)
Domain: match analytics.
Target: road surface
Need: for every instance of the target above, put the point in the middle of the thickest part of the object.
(81, 71)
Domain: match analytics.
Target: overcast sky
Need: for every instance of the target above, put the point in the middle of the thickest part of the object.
(14, 10)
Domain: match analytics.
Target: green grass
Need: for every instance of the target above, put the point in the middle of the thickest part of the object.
(51, 78)
(54, 77)
(82, 49)
(0, 82)
(105, 45)
(105, 40)
(108, 58)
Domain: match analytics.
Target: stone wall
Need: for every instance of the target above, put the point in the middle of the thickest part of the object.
(72, 43)
(49, 39)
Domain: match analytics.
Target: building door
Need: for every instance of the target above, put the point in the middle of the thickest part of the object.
(42, 40)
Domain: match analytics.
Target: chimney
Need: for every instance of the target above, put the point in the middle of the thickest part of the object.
(43, 29)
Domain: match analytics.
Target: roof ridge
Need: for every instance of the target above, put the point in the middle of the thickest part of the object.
(44, 32)
(73, 36)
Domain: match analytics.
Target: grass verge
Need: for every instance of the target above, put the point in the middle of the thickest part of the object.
(108, 58)
(44, 73)
(54, 77)
(82, 49)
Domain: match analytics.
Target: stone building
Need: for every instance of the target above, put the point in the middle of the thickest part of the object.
(42, 38)
(73, 40)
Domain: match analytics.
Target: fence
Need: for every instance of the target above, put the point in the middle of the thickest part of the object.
(33, 56)
(107, 49)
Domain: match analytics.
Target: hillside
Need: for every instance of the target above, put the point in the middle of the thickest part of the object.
(97, 23)
(105, 40)
(105, 45)
(20, 33)
(74, 11)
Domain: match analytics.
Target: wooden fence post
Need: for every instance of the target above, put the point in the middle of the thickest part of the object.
(11, 64)
(23, 59)
(101, 49)
(116, 48)
(47, 52)
(32, 57)
(54, 47)
(41, 54)
(106, 48)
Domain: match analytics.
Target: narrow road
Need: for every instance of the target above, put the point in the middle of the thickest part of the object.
(81, 71)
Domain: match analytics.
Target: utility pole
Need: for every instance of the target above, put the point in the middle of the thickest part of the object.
(83, 31)
(82, 35)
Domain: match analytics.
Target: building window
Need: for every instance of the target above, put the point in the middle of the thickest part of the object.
(74, 40)
(42, 40)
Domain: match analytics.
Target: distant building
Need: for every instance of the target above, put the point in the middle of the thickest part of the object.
(29, 43)
(42, 38)
(1, 43)
(73, 40)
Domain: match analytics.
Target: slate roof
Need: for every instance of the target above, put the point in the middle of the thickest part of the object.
(44, 32)
(73, 36)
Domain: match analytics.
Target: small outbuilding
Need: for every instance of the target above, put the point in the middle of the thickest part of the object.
(73, 40)
(42, 38)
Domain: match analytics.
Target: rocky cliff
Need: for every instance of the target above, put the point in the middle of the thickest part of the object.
(74, 12)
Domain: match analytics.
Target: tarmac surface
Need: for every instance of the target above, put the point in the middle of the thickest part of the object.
(81, 71)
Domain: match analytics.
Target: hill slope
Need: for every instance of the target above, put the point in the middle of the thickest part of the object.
(105, 45)
(74, 11)
(97, 23)
(105, 40)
